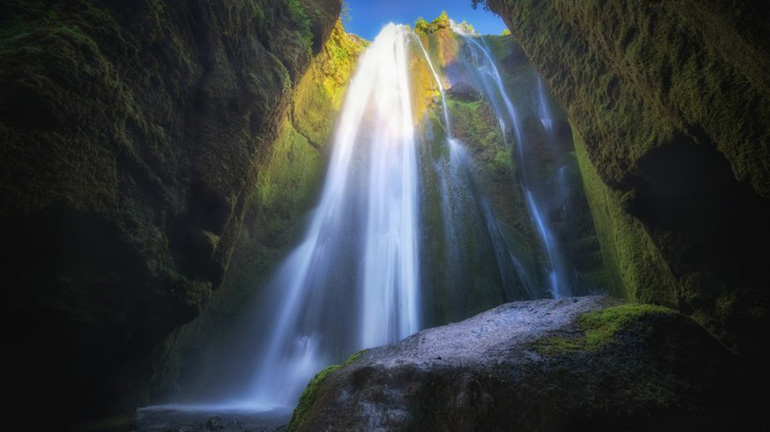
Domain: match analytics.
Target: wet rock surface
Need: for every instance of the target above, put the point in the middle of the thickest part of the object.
(546, 365)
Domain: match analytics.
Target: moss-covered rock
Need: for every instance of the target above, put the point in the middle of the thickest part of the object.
(670, 109)
(549, 365)
(132, 140)
(599, 328)
(310, 395)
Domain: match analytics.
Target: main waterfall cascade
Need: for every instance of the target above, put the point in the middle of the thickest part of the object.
(354, 280)
(404, 235)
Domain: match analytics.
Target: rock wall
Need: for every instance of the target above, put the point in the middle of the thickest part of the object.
(197, 358)
(497, 167)
(670, 105)
(133, 137)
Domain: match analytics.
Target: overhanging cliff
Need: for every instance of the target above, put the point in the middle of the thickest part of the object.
(132, 141)
(670, 105)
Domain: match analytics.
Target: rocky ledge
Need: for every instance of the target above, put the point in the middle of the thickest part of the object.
(586, 363)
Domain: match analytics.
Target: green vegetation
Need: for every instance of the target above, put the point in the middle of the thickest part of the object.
(117, 135)
(598, 328)
(659, 84)
(310, 394)
(300, 16)
(286, 186)
(442, 22)
(421, 26)
(634, 263)
(601, 326)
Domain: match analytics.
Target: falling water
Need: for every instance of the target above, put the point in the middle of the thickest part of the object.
(354, 280)
(466, 214)
(543, 109)
(372, 268)
(494, 89)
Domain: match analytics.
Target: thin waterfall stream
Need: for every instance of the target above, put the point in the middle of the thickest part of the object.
(495, 90)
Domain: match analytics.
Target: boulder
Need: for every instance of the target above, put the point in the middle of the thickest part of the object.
(585, 363)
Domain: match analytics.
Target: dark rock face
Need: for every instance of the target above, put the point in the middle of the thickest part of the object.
(206, 357)
(546, 365)
(670, 110)
(464, 92)
(132, 135)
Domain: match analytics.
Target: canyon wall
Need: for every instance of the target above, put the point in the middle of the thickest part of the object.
(669, 103)
(133, 140)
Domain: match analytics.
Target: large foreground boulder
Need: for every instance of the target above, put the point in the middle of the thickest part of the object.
(548, 365)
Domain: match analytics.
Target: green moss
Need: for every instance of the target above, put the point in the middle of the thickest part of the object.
(310, 394)
(297, 9)
(597, 329)
(554, 345)
(634, 264)
(601, 326)
(640, 79)
(319, 95)
(290, 172)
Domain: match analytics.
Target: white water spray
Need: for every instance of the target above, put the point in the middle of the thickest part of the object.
(354, 281)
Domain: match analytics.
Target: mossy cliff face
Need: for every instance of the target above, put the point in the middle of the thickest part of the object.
(462, 275)
(495, 165)
(133, 138)
(198, 357)
(670, 105)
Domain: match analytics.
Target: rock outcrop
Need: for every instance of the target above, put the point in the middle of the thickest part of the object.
(670, 107)
(133, 136)
(200, 357)
(547, 365)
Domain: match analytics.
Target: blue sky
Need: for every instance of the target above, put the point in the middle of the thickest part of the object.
(370, 15)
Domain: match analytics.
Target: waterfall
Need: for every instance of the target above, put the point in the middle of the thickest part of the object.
(354, 280)
(466, 213)
(493, 87)
(373, 266)
(543, 109)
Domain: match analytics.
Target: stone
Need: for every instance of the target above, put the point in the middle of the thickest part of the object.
(545, 365)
